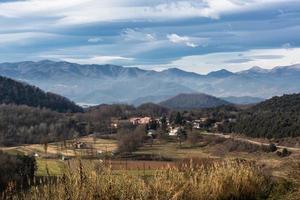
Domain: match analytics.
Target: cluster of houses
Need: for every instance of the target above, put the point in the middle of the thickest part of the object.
(140, 120)
(209, 124)
(204, 123)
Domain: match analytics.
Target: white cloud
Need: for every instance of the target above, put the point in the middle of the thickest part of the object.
(137, 35)
(181, 40)
(96, 59)
(24, 38)
(95, 40)
(66, 12)
(265, 58)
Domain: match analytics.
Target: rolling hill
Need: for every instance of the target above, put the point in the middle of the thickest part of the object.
(193, 101)
(245, 100)
(274, 118)
(14, 92)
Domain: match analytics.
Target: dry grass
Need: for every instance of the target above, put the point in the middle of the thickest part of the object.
(57, 148)
(219, 180)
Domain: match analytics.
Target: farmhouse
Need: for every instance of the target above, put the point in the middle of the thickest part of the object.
(173, 131)
(200, 123)
(79, 145)
(140, 120)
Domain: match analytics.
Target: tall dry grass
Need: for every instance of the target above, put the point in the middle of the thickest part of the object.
(217, 181)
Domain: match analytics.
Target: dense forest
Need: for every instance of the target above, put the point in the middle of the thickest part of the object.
(275, 118)
(193, 101)
(14, 92)
(23, 125)
(124, 111)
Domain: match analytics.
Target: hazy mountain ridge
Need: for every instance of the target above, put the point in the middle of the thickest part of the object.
(112, 84)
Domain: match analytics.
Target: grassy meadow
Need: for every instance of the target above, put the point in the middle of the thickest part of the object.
(211, 168)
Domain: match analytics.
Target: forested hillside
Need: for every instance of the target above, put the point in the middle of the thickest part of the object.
(193, 101)
(27, 125)
(274, 118)
(14, 92)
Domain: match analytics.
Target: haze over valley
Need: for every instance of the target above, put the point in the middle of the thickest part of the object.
(96, 84)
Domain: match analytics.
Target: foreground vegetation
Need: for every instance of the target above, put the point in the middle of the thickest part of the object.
(210, 180)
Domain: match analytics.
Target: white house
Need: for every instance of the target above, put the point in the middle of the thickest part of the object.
(174, 131)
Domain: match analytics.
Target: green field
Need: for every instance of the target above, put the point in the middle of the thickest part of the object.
(49, 167)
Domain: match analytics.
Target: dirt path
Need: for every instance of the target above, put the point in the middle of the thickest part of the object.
(239, 138)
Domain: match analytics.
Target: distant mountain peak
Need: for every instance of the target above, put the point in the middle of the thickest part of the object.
(291, 67)
(258, 69)
(179, 72)
(220, 73)
(255, 70)
(175, 70)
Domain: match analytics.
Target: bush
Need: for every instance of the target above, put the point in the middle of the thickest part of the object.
(131, 140)
(283, 153)
(16, 170)
(272, 147)
(193, 138)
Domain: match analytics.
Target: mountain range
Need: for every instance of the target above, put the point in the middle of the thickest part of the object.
(95, 84)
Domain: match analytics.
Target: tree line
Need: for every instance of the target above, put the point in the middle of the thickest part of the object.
(28, 125)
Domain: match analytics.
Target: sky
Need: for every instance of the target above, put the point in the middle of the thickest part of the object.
(193, 35)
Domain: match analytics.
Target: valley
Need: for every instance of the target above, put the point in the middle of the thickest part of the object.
(149, 100)
(185, 134)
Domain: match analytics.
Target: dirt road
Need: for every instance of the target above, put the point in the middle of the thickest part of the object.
(239, 138)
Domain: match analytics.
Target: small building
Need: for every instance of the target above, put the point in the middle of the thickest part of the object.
(200, 123)
(140, 120)
(173, 131)
(80, 145)
(232, 120)
(217, 126)
(152, 133)
(100, 152)
(35, 155)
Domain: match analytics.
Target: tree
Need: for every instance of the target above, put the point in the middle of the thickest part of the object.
(181, 136)
(129, 141)
(163, 121)
(178, 119)
(16, 169)
(46, 147)
(153, 124)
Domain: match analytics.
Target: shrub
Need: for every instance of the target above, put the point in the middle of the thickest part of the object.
(131, 140)
(193, 138)
(283, 153)
(16, 170)
(272, 147)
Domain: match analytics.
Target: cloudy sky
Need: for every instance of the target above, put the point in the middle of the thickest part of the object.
(194, 35)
